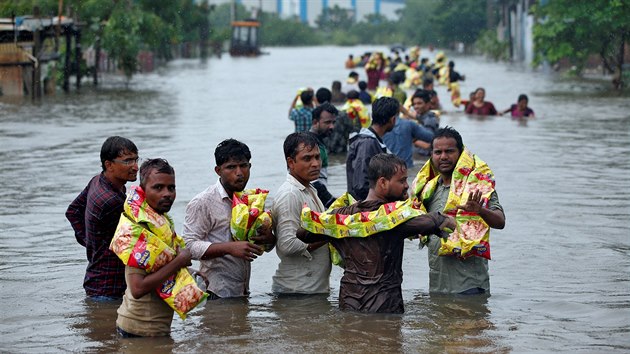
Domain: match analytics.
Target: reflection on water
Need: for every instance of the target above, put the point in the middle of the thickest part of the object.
(559, 273)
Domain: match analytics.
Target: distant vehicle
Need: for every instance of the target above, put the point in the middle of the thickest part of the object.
(245, 38)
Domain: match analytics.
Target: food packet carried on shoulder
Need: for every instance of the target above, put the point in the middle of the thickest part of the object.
(248, 214)
(181, 293)
(362, 224)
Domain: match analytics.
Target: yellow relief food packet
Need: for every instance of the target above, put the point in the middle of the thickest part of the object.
(181, 293)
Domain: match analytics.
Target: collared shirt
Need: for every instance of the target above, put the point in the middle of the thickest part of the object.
(207, 221)
(303, 118)
(94, 215)
(449, 274)
(299, 271)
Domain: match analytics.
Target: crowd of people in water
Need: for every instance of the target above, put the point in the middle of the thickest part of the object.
(136, 258)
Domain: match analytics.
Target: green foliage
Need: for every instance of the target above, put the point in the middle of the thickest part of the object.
(575, 29)
(25, 7)
(290, 32)
(334, 19)
(122, 37)
(489, 44)
(458, 21)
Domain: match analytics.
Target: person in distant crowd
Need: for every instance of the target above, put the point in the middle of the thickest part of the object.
(337, 95)
(454, 76)
(373, 274)
(374, 69)
(364, 95)
(520, 109)
(303, 268)
(367, 143)
(421, 101)
(143, 313)
(427, 85)
(324, 117)
(395, 79)
(350, 64)
(302, 116)
(225, 263)
(479, 106)
(337, 141)
(352, 83)
(401, 139)
(323, 95)
(94, 216)
(451, 274)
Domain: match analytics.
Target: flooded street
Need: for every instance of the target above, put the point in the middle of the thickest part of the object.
(560, 270)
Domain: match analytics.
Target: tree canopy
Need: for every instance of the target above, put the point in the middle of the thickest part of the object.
(576, 29)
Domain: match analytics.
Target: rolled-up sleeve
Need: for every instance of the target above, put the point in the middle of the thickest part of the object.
(197, 225)
(287, 219)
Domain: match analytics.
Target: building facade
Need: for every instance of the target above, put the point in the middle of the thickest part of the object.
(308, 11)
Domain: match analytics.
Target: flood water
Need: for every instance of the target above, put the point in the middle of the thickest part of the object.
(560, 272)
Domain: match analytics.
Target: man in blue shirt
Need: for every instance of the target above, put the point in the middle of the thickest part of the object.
(400, 139)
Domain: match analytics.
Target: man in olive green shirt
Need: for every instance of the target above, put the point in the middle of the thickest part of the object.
(454, 275)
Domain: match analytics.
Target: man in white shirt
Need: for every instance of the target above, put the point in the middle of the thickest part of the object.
(225, 263)
(304, 268)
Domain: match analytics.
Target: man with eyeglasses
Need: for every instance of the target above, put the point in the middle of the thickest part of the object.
(225, 263)
(94, 215)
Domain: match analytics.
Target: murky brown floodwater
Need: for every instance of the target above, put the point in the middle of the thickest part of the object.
(560, 270)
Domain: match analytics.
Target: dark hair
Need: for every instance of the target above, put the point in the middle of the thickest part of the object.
(317, 112)
(353, 94)
(114, 146)
(522, 97)
(397, 77)
(451, 64)
(161, 165)
(424, 95)
(449, 132)
(231, 149)
(353, 74)
(362, 85)
(383, 109)
(427, 82)
(307, 97)
(293, 141)
(480, 88)
(384, 165)
(323, 95)
(336, 86)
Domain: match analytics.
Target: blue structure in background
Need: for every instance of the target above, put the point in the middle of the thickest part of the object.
(303, 12)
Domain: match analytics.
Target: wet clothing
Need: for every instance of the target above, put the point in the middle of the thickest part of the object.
(207, 221)
(373, 265)
(518, 114)
(321, 184)
(302, 117)
(299, 271)
(148, 316)
(449, 274)
(487, 109)
(365, 97)
(337, 142)
(94, 215)
(430, 122)
(400, 139)
(363, 146)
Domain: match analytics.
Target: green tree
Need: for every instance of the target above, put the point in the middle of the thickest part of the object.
(334, 18)
(575, 29)
(458, 21)
(290, 32)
